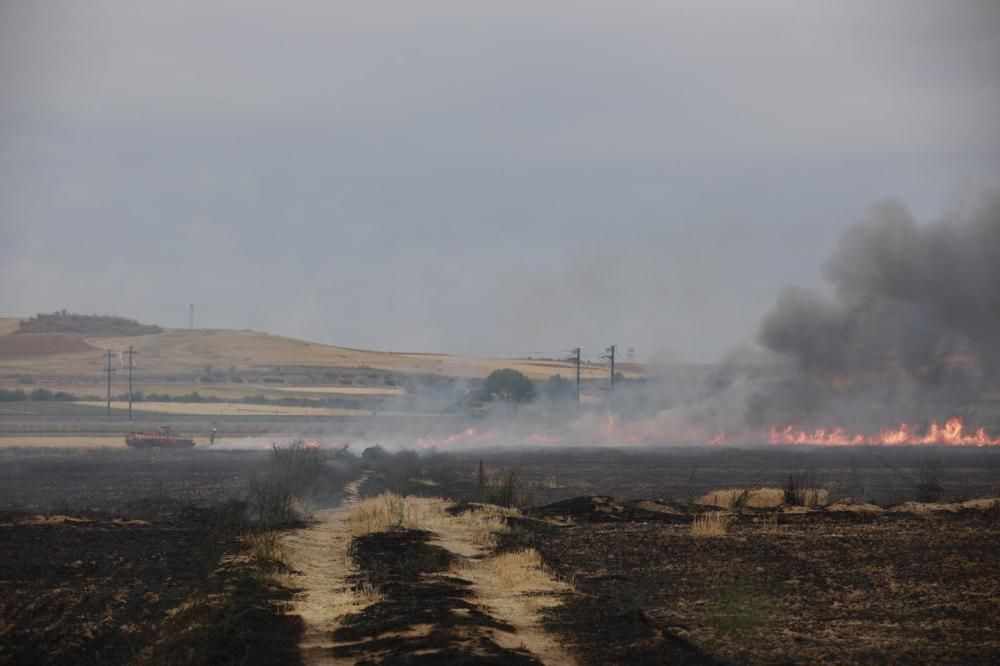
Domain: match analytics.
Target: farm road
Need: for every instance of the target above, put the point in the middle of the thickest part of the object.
(318, 557)
(328, 601)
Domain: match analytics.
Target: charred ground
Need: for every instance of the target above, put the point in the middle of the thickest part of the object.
(134, 557)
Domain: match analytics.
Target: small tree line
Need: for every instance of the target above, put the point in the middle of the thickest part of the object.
(84, 324)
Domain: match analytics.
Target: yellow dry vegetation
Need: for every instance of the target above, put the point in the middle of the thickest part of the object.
(522, 569)
(390, 511)
(711, 524)
(68, 442)
(758, 498)
(189, 351)
(336, 390)
(229, 409)
(8, 325)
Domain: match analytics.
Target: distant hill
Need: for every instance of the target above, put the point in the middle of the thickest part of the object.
(204, 351)
(68, 322)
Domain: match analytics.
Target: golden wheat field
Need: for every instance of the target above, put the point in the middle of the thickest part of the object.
(227, 409)
(190, 351)
(60, 442)
(334, 390)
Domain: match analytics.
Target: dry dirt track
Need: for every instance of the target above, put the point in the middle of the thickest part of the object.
(318, 557)
(327, 582)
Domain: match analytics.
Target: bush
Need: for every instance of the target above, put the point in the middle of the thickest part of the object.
(41, 395)
(272, 502)
(297, 465)
(17, 395)
(558, 389)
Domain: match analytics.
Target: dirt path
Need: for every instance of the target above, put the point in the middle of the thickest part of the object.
(508, 590)
(511, 588)
(516, 600)
(318, 557)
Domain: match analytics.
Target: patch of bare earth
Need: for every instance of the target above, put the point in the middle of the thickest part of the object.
(42, 344)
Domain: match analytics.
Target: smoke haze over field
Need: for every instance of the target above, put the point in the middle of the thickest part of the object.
(491, 178)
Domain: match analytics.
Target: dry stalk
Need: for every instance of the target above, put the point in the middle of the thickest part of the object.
(711, 524)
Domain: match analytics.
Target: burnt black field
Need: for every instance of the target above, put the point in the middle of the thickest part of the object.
(881, 475)
(107, 479)
(103, 544)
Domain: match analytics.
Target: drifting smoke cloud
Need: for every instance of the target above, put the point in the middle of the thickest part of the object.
(912, 327)
(908, 335)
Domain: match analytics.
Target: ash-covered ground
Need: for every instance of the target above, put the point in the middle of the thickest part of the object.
(104, 550)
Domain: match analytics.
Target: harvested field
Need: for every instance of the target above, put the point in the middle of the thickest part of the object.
(334, 390)
(69, 442)
(228, 409)
(180, 351)
(42, 344)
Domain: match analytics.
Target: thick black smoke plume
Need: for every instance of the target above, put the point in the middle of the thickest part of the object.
(913, 327)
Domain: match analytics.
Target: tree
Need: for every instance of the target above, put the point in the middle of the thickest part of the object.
(558, 389)
(509, 384)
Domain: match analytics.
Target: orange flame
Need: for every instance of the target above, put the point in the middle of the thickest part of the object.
(612, 432)
(952, 433)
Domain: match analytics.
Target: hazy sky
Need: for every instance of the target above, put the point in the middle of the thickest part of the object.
(478, 177)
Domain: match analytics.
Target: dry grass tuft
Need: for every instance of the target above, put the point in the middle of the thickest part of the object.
(520, 568)
(769, 523)
(485, 522)
(519, 572)
(386, 512)
(711, 524)
(367, 594)
(265, 547)
(392, 512)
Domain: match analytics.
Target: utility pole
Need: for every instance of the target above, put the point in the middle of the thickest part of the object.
(130, 383)
(109, 382)
(610, 356)
(577, 350)
(191, 316)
